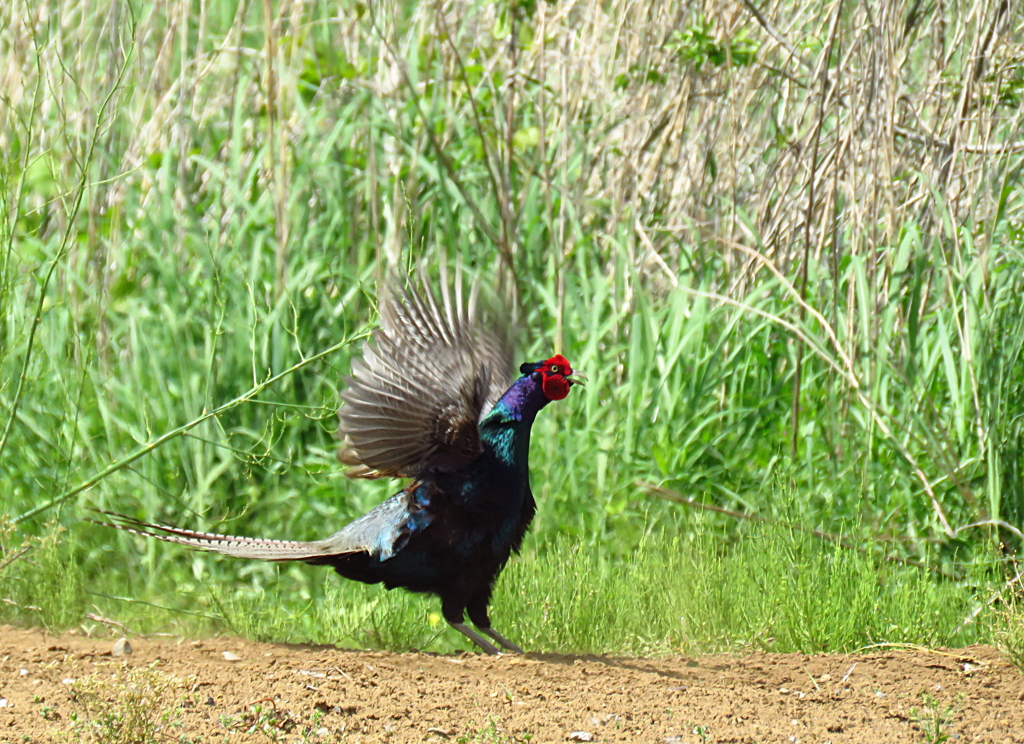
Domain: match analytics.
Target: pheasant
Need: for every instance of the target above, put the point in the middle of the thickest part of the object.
(429, 401)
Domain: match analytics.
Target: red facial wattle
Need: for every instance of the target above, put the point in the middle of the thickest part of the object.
(554, 373)
(555, 388)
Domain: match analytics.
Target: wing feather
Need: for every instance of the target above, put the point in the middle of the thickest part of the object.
(434, 368)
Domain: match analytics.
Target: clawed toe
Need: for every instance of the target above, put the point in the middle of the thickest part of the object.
(503, 641)
(485, 646)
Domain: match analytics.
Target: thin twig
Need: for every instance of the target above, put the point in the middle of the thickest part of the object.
(132, 600)
(108, 622)
(15, 557)
(812, 182)
(770, 30)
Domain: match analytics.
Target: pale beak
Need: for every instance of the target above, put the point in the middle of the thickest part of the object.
(577, 378)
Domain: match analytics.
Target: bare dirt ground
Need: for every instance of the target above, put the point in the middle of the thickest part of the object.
(229, 690)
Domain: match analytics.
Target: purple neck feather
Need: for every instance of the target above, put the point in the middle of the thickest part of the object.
(520, 403)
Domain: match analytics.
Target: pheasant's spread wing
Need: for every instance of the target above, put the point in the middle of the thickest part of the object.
(425, 380)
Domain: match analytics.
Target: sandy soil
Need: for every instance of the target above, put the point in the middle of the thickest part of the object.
(229, 690)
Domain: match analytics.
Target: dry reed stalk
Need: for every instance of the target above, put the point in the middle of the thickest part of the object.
(824, 159)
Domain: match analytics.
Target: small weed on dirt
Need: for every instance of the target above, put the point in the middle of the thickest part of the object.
(1009, 635)
(273, 726)
(933, 720)
(40, 580)
(493, 733)
(127, 706)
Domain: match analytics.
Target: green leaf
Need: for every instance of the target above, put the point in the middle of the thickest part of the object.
(526, 138)
(502, 25)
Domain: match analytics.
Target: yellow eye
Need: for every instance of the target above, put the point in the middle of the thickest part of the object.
(554, 369)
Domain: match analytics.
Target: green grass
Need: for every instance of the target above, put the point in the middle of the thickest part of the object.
(41, 582)
(195, 216)
(777, 589)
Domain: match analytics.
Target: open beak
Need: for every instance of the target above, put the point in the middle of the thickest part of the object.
(577, 378)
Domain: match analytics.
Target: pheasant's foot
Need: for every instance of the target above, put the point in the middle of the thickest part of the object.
(504, 642)
(478, 639)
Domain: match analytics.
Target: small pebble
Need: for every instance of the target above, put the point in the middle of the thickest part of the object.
(121, 647)
(580, 736)
(229, 656)
(210, 701)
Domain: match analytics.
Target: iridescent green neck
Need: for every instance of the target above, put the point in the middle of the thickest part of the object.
(506, 429)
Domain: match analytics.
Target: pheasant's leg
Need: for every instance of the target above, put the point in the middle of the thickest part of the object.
(452, 609)
(477, 609)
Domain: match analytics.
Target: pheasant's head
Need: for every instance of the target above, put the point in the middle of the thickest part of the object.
(555, 376)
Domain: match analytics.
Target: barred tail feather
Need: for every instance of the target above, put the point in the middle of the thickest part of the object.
(233, 545)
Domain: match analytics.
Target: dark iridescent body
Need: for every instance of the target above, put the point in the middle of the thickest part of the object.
(427, 401)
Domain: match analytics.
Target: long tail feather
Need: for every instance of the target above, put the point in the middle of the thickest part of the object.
(239, 547)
